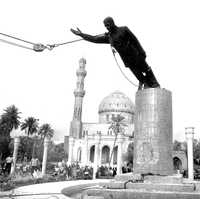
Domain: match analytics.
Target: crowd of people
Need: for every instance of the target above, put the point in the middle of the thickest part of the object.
(103, 171)
(73, 171)
(127, 168)
(76, 171)
(59, 170)
(22, 168)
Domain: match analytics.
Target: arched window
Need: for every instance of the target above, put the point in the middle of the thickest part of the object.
(105, 155)
(177, 163)
(79, 153)
(92, 149)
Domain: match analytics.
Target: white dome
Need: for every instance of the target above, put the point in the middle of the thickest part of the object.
(116, 102)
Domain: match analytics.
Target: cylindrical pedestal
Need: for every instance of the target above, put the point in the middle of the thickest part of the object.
(16, 146)
(45, 153)
(153, 132)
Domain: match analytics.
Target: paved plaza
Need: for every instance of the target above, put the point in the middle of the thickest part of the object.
(50, 190)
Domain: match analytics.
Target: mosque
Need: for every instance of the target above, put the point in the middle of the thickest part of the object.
(98, 144)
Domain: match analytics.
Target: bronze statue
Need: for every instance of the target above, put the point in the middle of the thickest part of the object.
(129, 49)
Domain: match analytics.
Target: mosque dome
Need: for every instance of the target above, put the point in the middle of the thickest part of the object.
(116, 103)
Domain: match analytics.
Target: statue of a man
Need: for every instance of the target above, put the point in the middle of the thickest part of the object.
(129, 49)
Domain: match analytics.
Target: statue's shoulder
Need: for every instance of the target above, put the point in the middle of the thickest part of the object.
(123, 28)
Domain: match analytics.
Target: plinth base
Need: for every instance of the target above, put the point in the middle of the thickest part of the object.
(155, 187)
(138, 194)
(173, 179)
(153, 132)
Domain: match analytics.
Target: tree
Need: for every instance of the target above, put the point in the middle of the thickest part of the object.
(25, 147)
(46, 131)
(177, 146)
(9, 120)
(31, 125)
(56, 152)
(196, 152)
(117, 126)
(182, 146)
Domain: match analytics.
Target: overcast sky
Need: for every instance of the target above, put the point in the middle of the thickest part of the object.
(41, 84)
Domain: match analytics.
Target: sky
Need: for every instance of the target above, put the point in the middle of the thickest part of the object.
(41, 84)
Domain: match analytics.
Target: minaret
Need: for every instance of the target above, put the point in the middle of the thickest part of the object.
(76, 124)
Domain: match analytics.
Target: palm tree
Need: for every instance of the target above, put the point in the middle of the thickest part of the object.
(31, 125)
(117, 126)
(9, 120)
(46, 131)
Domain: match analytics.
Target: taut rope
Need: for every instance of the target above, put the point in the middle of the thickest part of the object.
(38, 47)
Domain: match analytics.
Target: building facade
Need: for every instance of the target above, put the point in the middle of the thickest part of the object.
(99, 143)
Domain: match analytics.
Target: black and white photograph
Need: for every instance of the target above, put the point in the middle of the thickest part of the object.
(99, 99)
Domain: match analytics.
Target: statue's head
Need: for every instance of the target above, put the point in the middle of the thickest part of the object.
(109, 23)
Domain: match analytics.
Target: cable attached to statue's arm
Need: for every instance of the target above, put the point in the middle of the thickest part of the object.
(39, 47)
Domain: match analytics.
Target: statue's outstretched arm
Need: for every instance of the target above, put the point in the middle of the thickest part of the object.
(103, 38)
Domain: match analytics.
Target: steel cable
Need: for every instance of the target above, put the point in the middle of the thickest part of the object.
(18, 45)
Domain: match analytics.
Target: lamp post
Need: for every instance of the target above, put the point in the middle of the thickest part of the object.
(96, 156)
(44, 161)
(15, 134)
(189, 134)
(119, 155)
(15, 151)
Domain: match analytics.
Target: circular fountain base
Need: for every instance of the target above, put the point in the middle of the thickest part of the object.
(141, 194)
(154, 187)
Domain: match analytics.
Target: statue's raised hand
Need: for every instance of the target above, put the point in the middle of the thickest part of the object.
(76, 32)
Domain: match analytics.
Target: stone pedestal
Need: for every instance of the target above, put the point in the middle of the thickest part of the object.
(153, 132)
